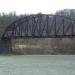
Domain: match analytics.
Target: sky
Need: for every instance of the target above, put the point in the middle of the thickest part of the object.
(35, 6)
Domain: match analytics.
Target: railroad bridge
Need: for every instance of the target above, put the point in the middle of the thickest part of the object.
(38, 26)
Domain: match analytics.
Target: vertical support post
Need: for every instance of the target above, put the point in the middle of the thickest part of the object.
(47, 27)
(63, 26)
(39, 24)
(20, 31)
(72, 28)
(26, 26)
(55, 27)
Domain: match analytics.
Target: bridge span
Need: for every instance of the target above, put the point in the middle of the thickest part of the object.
(41, 25)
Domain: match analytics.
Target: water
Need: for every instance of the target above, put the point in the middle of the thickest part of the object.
(37, 65)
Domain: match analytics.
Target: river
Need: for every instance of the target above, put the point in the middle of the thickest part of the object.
(37, 65)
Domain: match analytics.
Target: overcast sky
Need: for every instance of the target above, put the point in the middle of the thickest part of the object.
(35, 6)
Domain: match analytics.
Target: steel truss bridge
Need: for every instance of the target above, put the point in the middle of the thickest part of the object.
(40, 26)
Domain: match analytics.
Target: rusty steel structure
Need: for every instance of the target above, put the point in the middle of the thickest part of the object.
(40, 26)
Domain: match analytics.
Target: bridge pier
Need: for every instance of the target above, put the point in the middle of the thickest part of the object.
(5, 45)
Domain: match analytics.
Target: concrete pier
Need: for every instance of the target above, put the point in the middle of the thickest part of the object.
(5, 45)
